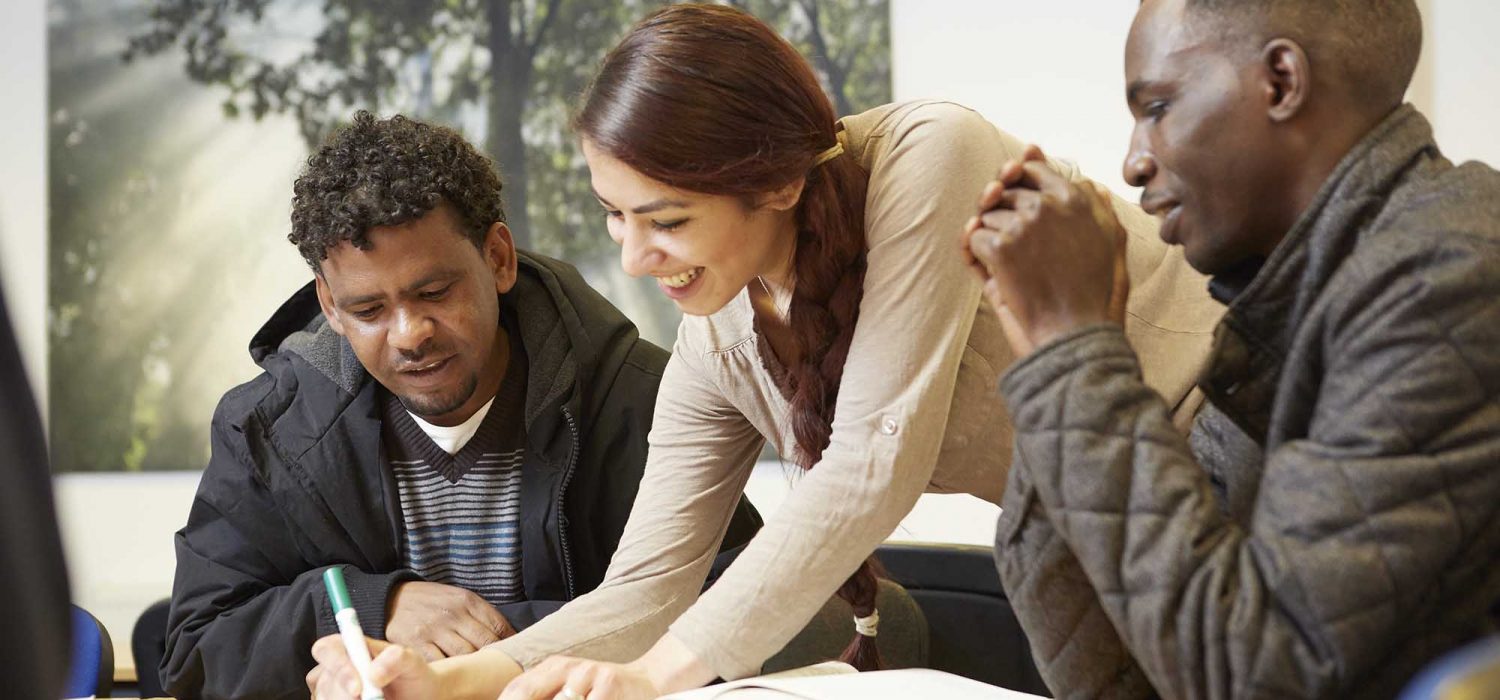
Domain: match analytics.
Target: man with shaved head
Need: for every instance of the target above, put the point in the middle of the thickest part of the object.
(1332, 521)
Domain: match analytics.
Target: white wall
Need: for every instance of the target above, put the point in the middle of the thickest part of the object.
(117, 532)
(1049, 73)
(1465, 77)
(1052, 73)
(1058, 64)
(23, 180)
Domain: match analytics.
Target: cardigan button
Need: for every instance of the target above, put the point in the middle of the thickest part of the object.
(889, 426)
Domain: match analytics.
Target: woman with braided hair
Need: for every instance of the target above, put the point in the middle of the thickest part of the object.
(826, 310)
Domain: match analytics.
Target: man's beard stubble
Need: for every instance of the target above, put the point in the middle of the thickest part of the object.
(441, 404)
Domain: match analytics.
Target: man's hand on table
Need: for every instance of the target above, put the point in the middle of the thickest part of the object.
(439, 621)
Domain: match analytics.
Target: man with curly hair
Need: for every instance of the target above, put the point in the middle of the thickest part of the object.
(458, 424)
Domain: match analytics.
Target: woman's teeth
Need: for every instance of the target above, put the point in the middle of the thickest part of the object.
(682, 279)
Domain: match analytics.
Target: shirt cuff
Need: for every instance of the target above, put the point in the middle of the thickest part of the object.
(370, 596)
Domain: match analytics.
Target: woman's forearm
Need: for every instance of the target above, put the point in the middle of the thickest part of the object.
(481, 675)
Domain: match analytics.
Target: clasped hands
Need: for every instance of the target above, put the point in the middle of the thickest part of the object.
(1050, 253)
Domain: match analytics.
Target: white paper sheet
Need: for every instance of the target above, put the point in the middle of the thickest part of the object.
(836, 681)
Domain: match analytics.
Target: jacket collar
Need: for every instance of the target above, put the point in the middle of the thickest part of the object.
(558, 347)
(554, 335)
(1269, 300)
(1261, 293)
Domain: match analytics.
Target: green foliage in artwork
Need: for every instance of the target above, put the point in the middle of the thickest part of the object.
(505, 71)
(127, 359)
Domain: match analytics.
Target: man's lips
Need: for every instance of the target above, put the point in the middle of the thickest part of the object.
(425, 367)
(1166, 208)
(1158, 205)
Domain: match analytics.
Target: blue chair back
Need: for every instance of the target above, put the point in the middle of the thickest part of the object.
(1470, 673)
(92, 669)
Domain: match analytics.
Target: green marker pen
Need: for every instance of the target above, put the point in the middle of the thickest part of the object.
(350, 631)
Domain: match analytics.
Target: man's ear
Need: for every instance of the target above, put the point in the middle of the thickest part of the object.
(1287, 76)
(500, 256)
(325, 300)
(785, 198)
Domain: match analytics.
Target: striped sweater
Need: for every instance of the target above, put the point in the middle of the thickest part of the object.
(461, 512)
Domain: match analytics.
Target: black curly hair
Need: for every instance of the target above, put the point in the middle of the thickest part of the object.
(387, 172)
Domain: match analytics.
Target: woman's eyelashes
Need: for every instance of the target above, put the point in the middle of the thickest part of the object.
(658, 225)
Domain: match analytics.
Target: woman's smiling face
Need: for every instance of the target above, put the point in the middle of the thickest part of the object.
(702, 249)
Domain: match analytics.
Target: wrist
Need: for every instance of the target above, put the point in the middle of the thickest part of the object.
(671, 667)
(1048, 331)
(481, 675)
(371, 595)
(657, 679)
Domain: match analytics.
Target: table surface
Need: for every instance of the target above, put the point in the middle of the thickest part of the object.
(125, 672)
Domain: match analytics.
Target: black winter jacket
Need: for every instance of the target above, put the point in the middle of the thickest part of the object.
(296, 483)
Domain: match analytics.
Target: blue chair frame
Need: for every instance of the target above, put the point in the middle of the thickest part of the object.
(91, 670)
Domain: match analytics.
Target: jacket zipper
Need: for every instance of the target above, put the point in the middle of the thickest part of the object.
(562, 515)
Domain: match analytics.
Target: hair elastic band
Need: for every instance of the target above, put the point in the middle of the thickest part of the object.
(868, 626)
(834, 151)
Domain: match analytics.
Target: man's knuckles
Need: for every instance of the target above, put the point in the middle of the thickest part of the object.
(476, 606)
(1030, 210)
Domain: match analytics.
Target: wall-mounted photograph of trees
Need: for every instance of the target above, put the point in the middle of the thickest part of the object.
(177, 127)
